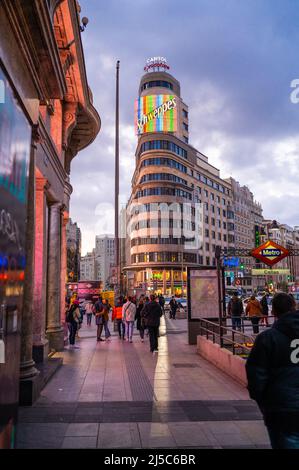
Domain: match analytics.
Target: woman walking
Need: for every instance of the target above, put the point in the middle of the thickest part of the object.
(106, 319)
(255, 312)
(89, 310)
(73, 319)
(129, 311)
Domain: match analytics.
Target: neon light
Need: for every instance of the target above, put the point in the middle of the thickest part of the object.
(156, 113)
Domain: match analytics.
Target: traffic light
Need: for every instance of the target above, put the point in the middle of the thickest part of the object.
(242, 266)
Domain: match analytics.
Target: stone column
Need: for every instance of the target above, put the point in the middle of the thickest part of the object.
(63, 275)
(40, 343)
(28, 373)
(54, 329)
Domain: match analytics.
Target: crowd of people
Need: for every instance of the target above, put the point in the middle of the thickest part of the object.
(256, 310)
(144, 312)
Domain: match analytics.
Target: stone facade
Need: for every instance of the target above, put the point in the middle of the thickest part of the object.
(42, 56)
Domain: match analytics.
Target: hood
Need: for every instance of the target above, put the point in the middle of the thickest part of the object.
(288, 324)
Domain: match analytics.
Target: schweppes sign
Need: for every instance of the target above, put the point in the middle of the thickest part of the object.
(270, 253)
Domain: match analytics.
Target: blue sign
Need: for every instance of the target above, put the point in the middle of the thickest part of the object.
(231, 262)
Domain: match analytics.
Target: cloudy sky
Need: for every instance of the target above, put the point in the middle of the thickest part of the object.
(235, 60)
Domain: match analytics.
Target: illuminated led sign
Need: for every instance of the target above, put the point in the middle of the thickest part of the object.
(270, 253)
(156, 113)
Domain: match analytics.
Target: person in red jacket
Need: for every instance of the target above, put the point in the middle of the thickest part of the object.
(117, 315)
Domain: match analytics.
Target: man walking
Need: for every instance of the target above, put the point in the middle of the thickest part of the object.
(151, 315)
(118, 316)
(235, 310)
(254, 311)
(173, 307)
(273, 374)
(265, 308)
(99, 313)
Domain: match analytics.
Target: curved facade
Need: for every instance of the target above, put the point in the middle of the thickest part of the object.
(168, 207)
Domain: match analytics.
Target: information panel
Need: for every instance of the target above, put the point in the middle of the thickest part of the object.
(203, 293)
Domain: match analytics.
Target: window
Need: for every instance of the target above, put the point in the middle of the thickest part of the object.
(163, 176)
(186, 140)
(164, 191)
(206, 219)
(219, 236)
(213, 234)
(224, 213)
(207, 247)
(185, 114)
(223, 201)
(207, 233)
(208, 261)
(212, 197)
(163, 145)
(185, 126)
(206, 193)
(213, 221)
(224, 225)
(154, 83)
(165, 162)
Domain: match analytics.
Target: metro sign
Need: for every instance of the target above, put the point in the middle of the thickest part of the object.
(270, 253)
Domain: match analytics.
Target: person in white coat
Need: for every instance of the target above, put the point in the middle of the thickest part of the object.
(128, 313)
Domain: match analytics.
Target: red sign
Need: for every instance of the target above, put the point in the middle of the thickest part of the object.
(237, 282)
(270, 253)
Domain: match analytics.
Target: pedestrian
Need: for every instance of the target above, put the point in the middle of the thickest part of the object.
(151, 314)
(173, 307)
(265, 309)
(73, 318)
(255, 312)
(162, 302)
(139, 320)
(235, 310)
(89, 311)
(99, 313)
(117, 315)
(106, 310)
(273, 374)
(128, 317)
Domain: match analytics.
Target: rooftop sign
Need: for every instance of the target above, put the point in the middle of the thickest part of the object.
(270, 253)
(154, 64)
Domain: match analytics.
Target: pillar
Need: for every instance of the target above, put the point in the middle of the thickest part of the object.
(63, 275)
(54, 329)
(171, 280)
(28, 373)
(164, 282)
(40, 342)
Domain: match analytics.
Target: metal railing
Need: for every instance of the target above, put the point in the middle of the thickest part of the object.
(238, 342)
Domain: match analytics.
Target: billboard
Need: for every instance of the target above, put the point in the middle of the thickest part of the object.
(203, 291)
(156, 113)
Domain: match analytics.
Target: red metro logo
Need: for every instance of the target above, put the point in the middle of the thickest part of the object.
(270, 253)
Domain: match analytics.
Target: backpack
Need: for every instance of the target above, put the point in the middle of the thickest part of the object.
(70, 315)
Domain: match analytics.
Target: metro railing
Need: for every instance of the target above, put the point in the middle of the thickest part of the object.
(238, 342)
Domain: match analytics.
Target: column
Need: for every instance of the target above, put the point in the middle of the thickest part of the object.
(54, 329)
(171, 280)
(40, 342)
(164, 281)
(63, 275)
(28, 373)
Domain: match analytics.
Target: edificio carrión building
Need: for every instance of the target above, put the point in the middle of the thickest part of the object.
(180, 208)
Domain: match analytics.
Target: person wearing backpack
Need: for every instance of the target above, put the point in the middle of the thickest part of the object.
(128, 312)
(73, 318)
(235, 311)
(99, 314)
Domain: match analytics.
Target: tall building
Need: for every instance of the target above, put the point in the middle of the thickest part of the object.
(196, 213)
(104, 257)
(88, 267)
(73, 245)
(248, 223)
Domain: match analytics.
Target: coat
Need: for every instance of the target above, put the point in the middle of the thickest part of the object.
(273, 372)
(254, 308)
(235, 307)
(128, 311)
(138, 317)
(151, 314)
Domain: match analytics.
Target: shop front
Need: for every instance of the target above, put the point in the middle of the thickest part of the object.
(15, 145)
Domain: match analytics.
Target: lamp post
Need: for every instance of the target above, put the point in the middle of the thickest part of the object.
(116, 195)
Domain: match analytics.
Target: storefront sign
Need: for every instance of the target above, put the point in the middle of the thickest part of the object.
(270, 253)
(269, 272)
(156, 113)
(156, 63)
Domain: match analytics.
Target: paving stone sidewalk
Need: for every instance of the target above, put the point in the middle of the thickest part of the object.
(117, 395)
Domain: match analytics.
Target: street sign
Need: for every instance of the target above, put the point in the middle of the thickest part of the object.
(270, 253)
(269, 272)
(231, 261)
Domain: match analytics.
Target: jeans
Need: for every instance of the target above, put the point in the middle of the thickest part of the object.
(153, 336)
(73, 330)
(89, 316)
(236, 322)
(99, 330)
(255, 324)
(121, 328)
(129, 330)
(283, 439)
(172, 313)
(141, 332)
(107, 332)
